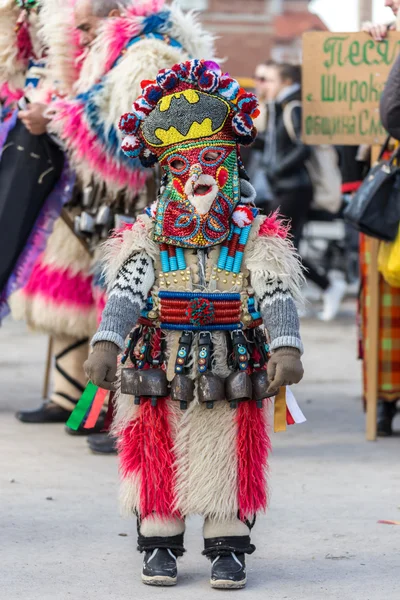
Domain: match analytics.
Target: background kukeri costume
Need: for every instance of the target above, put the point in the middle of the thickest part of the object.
(63, 297)
(34, 178)
(32, 168)
(198, 274)
(20, 50)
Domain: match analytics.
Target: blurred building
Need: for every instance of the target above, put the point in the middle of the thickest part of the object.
(252, 31)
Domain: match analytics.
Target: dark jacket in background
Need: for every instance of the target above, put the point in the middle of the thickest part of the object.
(390, 102)
(284, 163)
(286, 170)
(352, 168)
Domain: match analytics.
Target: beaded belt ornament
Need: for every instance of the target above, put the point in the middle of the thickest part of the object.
(256, 319)
(196, 311)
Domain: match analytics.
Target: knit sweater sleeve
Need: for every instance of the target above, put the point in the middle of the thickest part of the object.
(276, 278)
(278, 312)
(126, 298)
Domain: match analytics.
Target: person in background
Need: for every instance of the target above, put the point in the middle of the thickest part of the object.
(124, 42)
(284, 162)
(378, 31)
(254, 167)
(389, 297)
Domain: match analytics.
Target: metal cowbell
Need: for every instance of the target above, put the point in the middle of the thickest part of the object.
(211, 388)
(151, 383)
(182, 388)
(260, 383)
(103, 215)
(129, 382)
(86, 223)
(238, 387)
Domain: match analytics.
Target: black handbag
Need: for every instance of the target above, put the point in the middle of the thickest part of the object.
(375, 207)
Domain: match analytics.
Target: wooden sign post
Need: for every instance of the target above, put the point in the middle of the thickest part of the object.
(372, 356)
(344, 75)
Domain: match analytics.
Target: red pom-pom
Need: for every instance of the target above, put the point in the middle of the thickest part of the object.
(142, 108)
(129, 124)
(242, 124)
(167, 79)
(152, 93)
(180, 69)
(208, 81)
(242, 216)
(132, 146)
(247, 103)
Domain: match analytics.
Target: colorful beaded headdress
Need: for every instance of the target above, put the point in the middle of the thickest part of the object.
(160, 116)
(191, 120)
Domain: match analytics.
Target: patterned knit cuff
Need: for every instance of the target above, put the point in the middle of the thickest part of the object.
(109, 336)
(289, 341)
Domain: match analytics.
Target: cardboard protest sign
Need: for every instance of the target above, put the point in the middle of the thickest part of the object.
(343, 78)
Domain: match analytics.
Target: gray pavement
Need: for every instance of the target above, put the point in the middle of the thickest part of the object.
(61, 535)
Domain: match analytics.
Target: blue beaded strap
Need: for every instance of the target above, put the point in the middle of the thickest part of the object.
(186, 327)
(195, 295)
(164, 261)
(229, 260)
(180, 257)
(176, 262)
(173, 264)
(252, 309)
(148, 307)
(223, 254)
(233, 264)
(244, 236)
(222, 257)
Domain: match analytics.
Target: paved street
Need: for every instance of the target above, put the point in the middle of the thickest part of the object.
(62, 538)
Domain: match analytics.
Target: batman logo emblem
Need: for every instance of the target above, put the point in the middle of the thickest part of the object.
(187, 115)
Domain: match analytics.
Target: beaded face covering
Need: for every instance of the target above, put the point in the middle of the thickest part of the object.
(191, 120)
(201, 192)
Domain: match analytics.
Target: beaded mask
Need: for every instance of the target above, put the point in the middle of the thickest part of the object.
(191, 120)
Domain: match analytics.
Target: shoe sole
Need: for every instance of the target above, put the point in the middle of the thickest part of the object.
(159, 580)
(226, 584)
(82, 432)
(103, 452)
(384, 434)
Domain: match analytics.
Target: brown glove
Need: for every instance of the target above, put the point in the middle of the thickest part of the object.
(101, 366)
(284, 368)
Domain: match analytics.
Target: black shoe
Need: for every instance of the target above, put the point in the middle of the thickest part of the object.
(49, 412)
(98, 428)
(102, 443)
(386, 414)
(159, 567)
(228, 572)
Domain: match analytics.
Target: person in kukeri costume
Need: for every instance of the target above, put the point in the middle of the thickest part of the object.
(34, 176)
(124, 43)
(196, 277)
